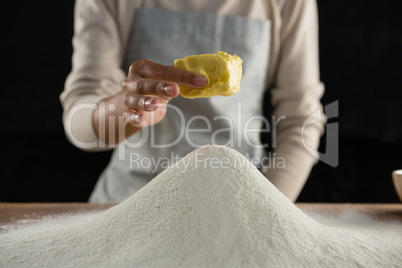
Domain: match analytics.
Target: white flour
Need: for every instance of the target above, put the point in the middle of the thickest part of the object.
(205, 217)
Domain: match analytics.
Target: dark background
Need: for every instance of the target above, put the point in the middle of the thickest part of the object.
(360, 54)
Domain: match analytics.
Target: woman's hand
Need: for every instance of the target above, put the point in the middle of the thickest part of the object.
(147, 90)
(150, 86)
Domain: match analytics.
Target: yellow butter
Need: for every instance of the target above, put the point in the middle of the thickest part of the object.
(224, 72)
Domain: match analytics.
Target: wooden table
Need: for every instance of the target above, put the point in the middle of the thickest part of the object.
(10, 212)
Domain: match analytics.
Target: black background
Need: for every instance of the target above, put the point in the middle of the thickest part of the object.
(360, 56)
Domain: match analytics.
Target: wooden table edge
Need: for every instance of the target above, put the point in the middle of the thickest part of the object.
(11, 212)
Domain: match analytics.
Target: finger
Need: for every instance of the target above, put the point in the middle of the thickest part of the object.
(147, 86)
(141, 102)
(149, 69)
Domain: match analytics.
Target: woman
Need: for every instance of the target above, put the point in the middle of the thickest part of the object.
(123, 93)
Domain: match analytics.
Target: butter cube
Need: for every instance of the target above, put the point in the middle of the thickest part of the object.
(224, 72)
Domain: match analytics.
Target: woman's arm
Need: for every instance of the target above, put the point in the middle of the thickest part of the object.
(296, 94)
(102, 106)
(96, 70)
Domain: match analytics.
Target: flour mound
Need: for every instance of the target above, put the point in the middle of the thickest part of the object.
(212, 208)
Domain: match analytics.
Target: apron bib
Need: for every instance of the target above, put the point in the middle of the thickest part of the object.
(162, 36)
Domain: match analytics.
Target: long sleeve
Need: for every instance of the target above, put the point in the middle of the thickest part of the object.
(296, 91)
(96, 69)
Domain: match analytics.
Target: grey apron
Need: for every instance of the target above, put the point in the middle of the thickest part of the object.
(163, 36)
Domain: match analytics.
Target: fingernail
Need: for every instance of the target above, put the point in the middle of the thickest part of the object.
(169, 90)
(200, 80)
(148, 103)
(136, 118)
(151, 103)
